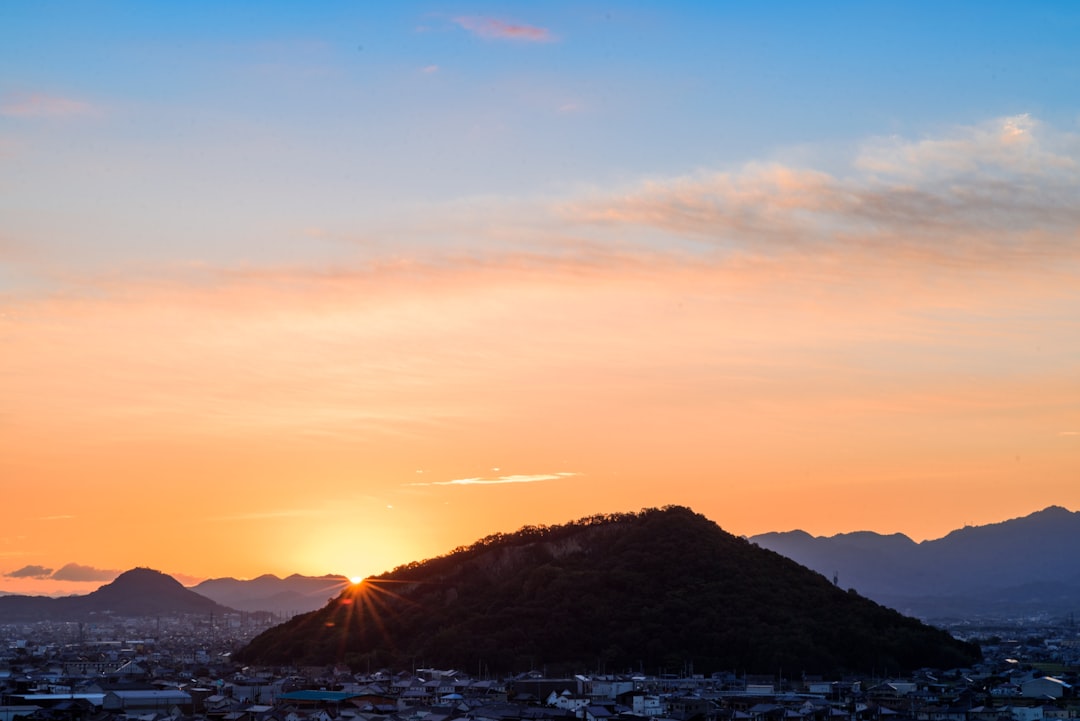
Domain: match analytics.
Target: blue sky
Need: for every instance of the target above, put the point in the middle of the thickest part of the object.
(270, 118)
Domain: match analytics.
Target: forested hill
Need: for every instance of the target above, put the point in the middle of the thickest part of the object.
(648, 591)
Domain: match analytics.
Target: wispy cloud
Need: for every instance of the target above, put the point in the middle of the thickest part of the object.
(43, 105)
(30, 572)
(78, 572)
(1014, 144)
(1001, 192)
(499, 480)
(492, 28)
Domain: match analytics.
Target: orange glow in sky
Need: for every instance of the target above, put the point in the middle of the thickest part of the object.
(287, 330)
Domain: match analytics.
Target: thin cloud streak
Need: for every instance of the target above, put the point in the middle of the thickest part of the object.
(493, 28)
(43, 105)
(501, 480)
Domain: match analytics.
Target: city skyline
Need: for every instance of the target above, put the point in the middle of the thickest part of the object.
(337, 287)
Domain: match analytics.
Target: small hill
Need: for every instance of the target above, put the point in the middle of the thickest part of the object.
(292, 595)
(651, 591)
(138, 592)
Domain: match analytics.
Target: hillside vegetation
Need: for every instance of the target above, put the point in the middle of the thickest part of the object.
(653, 591)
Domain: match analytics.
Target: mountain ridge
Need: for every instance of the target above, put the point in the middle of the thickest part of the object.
(973, 571)
(137, 592)
(290, 595)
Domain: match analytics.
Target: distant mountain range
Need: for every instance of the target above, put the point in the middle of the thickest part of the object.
(1023, 567)
(138, 592)
(288, 596)
(146, 592)
(660, 590)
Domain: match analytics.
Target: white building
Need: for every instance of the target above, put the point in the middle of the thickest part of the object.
(1044, 687)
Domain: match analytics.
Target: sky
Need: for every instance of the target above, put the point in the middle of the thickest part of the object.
(332, 287)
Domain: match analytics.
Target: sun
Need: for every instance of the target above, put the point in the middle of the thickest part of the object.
(356, 580)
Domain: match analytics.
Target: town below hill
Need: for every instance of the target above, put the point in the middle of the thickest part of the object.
(170, 669)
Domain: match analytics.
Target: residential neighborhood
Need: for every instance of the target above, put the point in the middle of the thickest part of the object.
(180, 669)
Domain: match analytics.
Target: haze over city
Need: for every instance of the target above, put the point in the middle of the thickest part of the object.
(330, 288)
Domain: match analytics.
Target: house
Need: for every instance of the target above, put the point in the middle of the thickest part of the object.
(607, 689)
(988, 713)
(943, 713)
(566, 700)
(1045, 687)
(311, 698)
(689, 707)
(650, 706)
(596, 713)
(144, 701)
(1026, 713)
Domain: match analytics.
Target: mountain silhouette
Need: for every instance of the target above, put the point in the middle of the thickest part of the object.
(659, 590)
(1020, 567)
(292, 595)
(138, 592)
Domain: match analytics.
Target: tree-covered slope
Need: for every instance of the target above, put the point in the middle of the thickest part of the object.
(651, 591)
